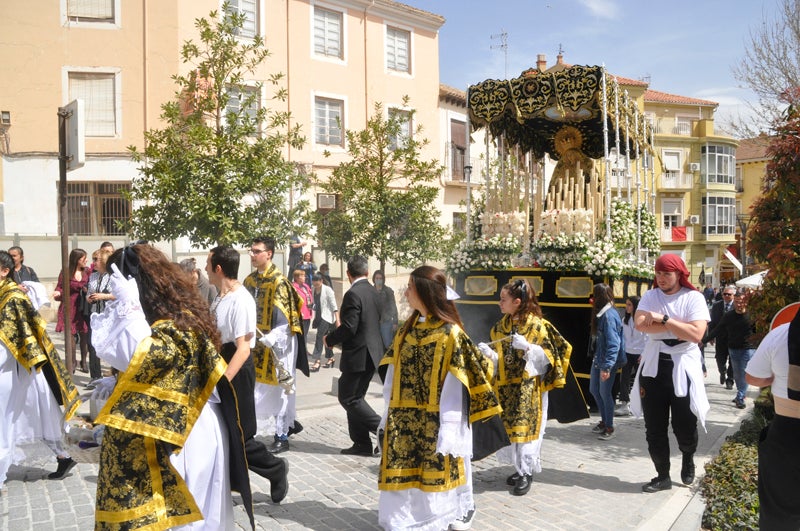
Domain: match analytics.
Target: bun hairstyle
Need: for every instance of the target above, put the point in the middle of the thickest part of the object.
(529, 305)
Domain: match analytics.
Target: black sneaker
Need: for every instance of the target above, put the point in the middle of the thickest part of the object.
(600, 428)
(295, 429)
(462, 524)
(657, 485)
(687, 469)
(65, 464)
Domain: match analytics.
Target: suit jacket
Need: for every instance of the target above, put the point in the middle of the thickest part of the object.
(721, 338)
(359, 332)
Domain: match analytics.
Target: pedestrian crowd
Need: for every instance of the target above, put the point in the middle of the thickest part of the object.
(203, 365)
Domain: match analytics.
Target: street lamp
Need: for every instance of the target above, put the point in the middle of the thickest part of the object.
(744, 224)
(467, 175)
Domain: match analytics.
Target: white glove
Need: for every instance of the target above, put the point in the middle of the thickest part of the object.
(519, 342)
(126, 293)
(536, 361)
(276, 338)
(488, 351)
(104, 387)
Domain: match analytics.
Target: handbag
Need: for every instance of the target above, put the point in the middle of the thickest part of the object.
(84, 306)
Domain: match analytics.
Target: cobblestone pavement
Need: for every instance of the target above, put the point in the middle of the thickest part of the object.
(585, 483)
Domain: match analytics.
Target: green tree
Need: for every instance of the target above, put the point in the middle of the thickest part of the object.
(774, 235)
(385, 196)
(216, 172)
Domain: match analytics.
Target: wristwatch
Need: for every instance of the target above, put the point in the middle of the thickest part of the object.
(664, 319)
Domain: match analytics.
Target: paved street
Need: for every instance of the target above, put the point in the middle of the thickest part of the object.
(585, 483)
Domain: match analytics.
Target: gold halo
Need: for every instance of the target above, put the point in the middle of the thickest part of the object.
(568, 137)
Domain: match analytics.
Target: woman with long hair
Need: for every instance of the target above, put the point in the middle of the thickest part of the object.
(78, 278)
(425, 477)
(531, 357)
(634, 346)
(609, 355)
(165, 437)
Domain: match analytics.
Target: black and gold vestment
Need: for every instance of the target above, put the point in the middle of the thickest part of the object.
(519, 393)
(22, 331)
(149, 416)
(422, 358)
(273, 291)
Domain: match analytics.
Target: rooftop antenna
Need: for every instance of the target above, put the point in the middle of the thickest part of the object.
(503, 36)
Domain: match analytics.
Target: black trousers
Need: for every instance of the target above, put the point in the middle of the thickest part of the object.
(658, 401)
(259, 459)
(361, 418)
(778, 470)
(626, 379)
(723, 364)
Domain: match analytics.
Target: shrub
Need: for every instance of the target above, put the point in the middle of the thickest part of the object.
(730, 484)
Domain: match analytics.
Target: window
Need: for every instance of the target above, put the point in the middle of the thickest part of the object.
(672, 211)
(683, 126)
(720, 215)
(328, 121)
(459, 223)
(97, 208)
(672, 161)
(91, 11)
(244, 101)
(458, 149)
(328, 33)
(248, 8)
(98, 92)
(718, 164)
(398, 44)
(403, 120)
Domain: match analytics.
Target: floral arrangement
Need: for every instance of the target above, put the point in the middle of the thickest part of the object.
(503, 223)
(604, 258)
(562, 251)
(495, 252)
(623, 224)
(651, 241)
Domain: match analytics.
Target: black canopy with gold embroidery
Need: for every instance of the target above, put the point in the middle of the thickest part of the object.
(529, 110)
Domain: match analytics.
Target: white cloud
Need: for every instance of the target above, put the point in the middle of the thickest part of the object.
(602, 8)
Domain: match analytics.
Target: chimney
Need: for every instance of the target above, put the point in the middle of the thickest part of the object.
(541, 62)
(560, 59)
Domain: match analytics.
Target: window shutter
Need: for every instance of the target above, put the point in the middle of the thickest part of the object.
(98, 94)
(92, 9)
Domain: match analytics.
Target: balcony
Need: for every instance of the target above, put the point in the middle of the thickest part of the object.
(677, 234)
(676, 180)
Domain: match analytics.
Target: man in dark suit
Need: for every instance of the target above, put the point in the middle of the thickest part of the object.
(362, 349)
(718, 309)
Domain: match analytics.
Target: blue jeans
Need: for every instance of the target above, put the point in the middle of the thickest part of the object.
(739, 358)
(601, 391)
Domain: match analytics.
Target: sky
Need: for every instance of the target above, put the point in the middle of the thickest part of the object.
(685, 47)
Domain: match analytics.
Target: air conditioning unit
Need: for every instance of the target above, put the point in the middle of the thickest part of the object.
(5, 117)
(694, 166)
(694, 219)
(326, 201)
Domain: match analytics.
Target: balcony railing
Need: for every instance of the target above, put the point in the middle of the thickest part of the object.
(676, 179)
(677, 234)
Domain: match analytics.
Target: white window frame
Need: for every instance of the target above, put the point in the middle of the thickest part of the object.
(117, 76)
(255, 18)
(684, 122)
(114, 24)
(710, 163)
(673, 209)
(389, 39)
(407, 128)
(342, 58)
(249, 89)
(343, 119)
(672, 155)
(714, 215)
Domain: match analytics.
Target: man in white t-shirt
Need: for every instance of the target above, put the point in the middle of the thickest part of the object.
(674, 316)
(235, 311)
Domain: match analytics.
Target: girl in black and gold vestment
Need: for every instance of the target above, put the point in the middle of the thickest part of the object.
(165, 454)
(531, 358)
(425, 473)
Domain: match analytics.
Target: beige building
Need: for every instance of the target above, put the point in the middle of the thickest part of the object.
(751, 168)
(339, 58)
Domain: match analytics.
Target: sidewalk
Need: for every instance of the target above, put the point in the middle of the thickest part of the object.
(585, 483)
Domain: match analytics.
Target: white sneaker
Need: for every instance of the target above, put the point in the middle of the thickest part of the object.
(622, 410)
(464, 523)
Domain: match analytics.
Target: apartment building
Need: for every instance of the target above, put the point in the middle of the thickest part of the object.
(339, 58)
(751, 168)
